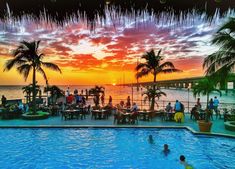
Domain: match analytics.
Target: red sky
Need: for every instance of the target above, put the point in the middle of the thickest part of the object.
(109, 53)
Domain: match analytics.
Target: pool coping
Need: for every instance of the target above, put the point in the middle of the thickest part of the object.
(122, 126)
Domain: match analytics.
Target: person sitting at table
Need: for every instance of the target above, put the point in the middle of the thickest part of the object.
(118, 116)
(20, 106)
(134, 108)
(169, 111)
(194, 113)
(134, 113)
(120, 108)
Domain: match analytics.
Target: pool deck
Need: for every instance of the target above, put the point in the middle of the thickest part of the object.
(217, 127)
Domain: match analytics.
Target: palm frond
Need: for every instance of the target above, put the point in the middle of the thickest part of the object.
(24, 70)
(141, 65)
(13, 62)
(40, 70)
(229, 25)
(167, 65)
(143, 72)
(170, 70)
(51, 66)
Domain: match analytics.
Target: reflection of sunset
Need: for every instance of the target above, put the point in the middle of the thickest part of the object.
(109, 55)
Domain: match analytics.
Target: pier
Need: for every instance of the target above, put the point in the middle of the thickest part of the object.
(184, 83)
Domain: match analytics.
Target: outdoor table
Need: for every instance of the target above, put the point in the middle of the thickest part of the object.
(126, 117)
(70, 114)
(202, 115)
(100, 114)
(127, 110)
(145, 115)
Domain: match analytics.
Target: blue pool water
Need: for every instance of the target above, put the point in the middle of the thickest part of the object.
(112, 148)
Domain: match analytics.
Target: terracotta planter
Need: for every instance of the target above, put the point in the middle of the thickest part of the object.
(204, 126)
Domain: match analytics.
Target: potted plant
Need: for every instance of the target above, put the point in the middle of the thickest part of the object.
(205, 125)
(205, 87)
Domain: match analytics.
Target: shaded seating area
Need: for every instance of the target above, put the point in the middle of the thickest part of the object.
(75, 112)
(99, 114)
(13, 109)
(145, 115)
(126, 118)
(229, 115)
(8, 114)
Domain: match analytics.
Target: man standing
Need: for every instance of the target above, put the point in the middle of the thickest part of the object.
(215, 105)
(4, 101)
(177, 106)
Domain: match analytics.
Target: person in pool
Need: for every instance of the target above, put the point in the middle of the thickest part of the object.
(166, 149)
(183, 162)
(151, 141)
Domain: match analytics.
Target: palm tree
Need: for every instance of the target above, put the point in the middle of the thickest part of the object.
(96, 92)
(151, 94)
(222, 62)
(55, 93)
(153, 65)
(26, 59)
(29, 90)
(205, 87)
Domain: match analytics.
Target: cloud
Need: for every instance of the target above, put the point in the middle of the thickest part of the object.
(114, 46)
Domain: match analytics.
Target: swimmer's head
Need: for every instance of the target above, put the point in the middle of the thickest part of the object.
(182, 158)
(165, 147)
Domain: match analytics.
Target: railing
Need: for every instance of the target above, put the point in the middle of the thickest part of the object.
(161, 104)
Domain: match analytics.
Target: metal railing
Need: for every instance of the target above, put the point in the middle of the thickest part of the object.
(161, 104)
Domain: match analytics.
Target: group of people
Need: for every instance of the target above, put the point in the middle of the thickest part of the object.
(213, 105)
(75, 98)
(176, 112)
(197, 113)
(123, 109)
(166, 151)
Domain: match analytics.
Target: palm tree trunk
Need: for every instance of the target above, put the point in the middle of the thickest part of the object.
(207, 100)
(34, 90)
(154, 88)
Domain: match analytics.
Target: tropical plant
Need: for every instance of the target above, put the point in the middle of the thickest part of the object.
(222, 62)
(96, 91)
(151, 94)
(55, 93)
(153, 65)
(27, 58)
(205, 87)
(28, 90)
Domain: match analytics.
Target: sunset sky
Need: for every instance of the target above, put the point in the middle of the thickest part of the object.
(109, 53)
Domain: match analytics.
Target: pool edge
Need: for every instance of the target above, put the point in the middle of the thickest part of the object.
(123, 126)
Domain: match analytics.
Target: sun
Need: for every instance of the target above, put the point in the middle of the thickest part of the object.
(114, 84)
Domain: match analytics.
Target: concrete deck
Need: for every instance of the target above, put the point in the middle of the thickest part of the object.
(217, 127)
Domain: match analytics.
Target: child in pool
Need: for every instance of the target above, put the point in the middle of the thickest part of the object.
(166, 150)
(151, 141)
(183, 162)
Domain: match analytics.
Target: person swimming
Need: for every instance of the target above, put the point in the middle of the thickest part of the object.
(183, 162)
(151, 141)
(166, 149)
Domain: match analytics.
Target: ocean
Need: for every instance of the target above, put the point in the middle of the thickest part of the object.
(119, 93)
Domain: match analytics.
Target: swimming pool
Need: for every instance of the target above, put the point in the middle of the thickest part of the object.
(112, 148)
